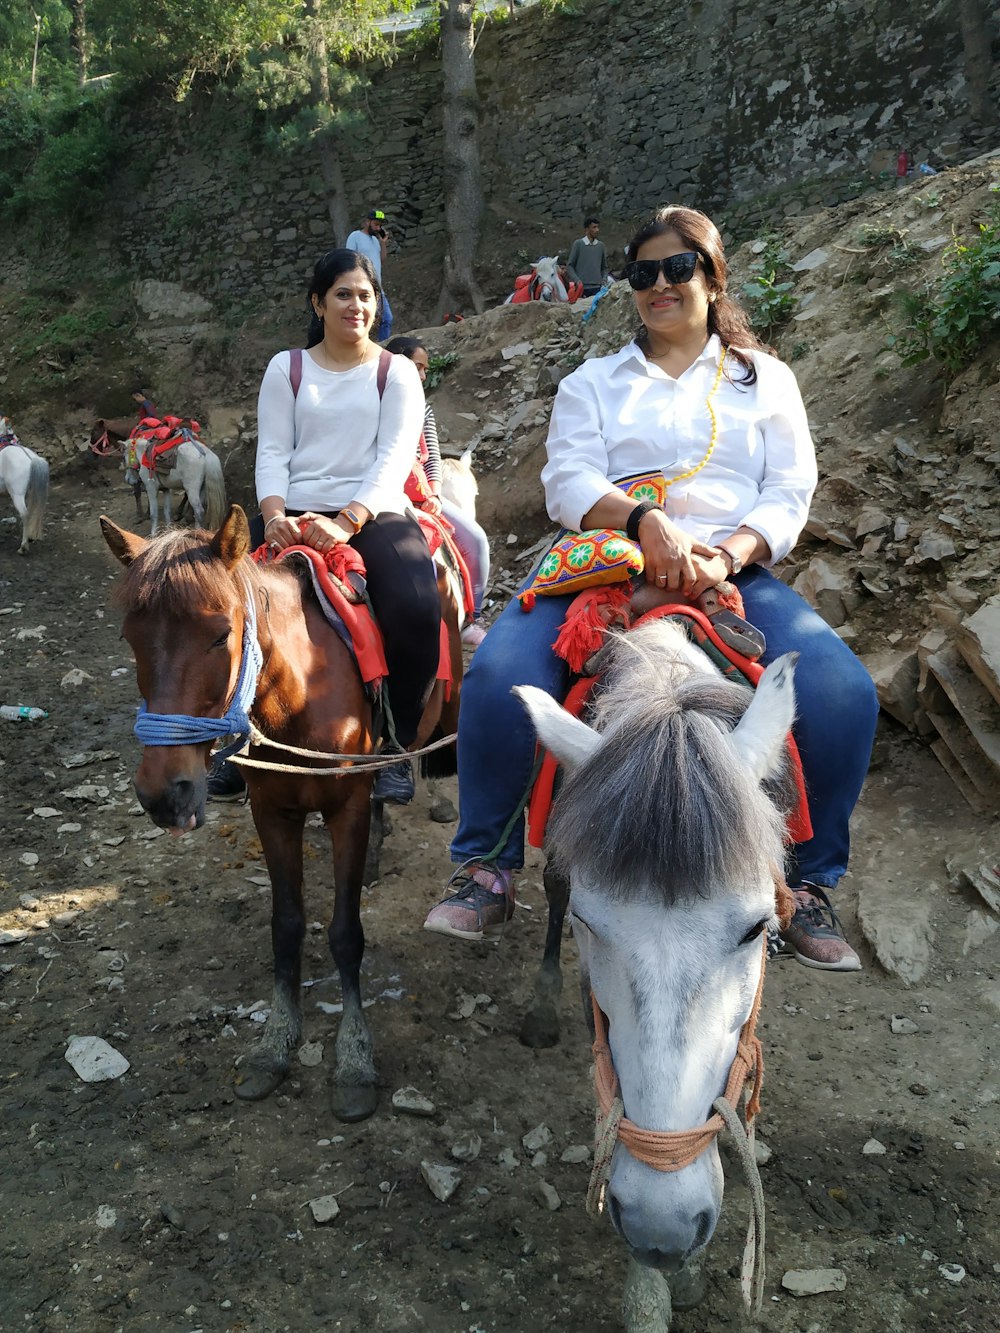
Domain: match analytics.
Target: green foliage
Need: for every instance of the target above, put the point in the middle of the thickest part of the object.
(951, 318)
(895, 251)
(64, 162)
(437, 368)
(68, 324)
(769, 294)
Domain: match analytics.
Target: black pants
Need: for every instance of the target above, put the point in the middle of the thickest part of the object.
(402, 585)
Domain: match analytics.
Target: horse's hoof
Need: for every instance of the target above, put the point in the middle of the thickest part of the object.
(540, 1028)
(443, 812)
(255, 1082)
(687, 1288)
(351, 1102)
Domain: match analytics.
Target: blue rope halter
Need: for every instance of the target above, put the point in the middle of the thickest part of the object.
(182, 729)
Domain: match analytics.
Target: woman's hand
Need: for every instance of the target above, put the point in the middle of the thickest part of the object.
(281, 531)
(432, 505)
(323, 533)
(676, 561)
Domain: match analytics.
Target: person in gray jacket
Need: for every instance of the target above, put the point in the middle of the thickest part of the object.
(588, 259)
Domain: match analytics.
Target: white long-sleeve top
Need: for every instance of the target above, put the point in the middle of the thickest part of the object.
(617, 416)
(336, 442)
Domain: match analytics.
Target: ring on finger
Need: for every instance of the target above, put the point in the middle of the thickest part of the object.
(661, 578)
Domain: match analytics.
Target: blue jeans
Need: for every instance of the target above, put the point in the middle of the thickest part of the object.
(836, 709)
(474, 545)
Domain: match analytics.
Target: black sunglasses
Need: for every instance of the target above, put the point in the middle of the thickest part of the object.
(641, 274)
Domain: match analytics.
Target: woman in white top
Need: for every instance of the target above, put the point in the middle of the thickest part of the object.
(334, 451)
(697, 397)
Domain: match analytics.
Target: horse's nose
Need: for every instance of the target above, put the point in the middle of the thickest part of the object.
(666, 1242)
(173, 805)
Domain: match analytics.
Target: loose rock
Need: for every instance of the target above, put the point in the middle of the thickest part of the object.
(412, 1102)
(324, 1209)
(440, 1179)
(467, 1146)
(814, 1281)
(94, 1060)
(536, 1138)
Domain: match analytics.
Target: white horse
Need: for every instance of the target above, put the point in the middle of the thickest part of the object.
(544, 283)
(24, 475)
(197, 473)
(458, 483)
(671, 847)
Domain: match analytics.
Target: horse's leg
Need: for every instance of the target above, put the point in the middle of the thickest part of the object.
(646, 1304)
(267, 1064)
(167, 499)
(137, 490)
(353, 1093)
(376, 837)
(687, 1288)
(18, 501)
(541, 1022)
(152, 489)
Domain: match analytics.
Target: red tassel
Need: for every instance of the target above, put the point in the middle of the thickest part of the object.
(589, 616)
(526, 600)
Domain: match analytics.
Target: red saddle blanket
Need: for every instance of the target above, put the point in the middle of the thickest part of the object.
(540, 802)
(157, 437)
(331, 571)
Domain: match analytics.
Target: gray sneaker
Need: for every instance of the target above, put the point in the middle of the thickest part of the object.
(815, 935)
(480, 906)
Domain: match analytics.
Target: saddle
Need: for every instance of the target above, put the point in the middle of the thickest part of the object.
(159, 438)
(581, 640)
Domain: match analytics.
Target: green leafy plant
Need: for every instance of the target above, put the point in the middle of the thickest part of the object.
(769, 293)
(952, 317)
(895, 251)
(438, 367)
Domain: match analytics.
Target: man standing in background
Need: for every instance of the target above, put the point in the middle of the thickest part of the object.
(588, 259)
(372, 241)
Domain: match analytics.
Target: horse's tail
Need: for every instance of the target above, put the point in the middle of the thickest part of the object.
(35, 497)
(214, 491)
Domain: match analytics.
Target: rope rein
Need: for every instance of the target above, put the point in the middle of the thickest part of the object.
(357, 762)
(675, 1149)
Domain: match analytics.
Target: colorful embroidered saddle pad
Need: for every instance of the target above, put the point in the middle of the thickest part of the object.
(732, 665)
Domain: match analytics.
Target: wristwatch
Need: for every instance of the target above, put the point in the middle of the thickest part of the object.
(735, 563)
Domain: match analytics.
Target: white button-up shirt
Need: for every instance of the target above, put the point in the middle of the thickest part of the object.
(620, 415)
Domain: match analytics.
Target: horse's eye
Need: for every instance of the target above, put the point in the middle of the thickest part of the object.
(753, 933)
(222, 641)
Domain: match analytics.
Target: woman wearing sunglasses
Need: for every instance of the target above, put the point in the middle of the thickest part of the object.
(695, 396)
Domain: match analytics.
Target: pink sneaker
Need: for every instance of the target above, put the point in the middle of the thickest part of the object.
(815, 935)
(481, 905)
(474, 633)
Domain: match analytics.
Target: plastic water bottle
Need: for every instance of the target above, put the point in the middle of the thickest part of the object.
(21, 713)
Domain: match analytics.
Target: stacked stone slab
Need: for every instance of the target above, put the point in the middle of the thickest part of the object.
(959, 698)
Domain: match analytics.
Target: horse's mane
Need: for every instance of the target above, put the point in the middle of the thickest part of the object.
(662, 805)
(177, 574)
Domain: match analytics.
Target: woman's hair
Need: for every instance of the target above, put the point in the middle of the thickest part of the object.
(725, 317)
(405, 346)
(333, 265)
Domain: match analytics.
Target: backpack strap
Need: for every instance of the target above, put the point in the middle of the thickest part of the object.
(295, 370)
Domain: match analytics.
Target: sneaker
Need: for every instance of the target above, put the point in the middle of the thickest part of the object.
(481, 905)
(395, 784)
(474, 633)
(226, 782)
(815, 935)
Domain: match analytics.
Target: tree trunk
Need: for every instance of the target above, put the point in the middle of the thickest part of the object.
(463, 192)
(79, 37)
(329, 152)
(978, 59)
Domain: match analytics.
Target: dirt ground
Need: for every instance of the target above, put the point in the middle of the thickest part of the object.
(158, 1201)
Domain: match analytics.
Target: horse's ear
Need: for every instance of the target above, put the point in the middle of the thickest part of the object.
(759, 736)
(569, 739)
(232, 542)
(124, 546)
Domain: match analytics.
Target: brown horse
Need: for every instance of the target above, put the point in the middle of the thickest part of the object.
(187, 597)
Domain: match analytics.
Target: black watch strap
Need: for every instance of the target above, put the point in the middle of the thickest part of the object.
(636, 517)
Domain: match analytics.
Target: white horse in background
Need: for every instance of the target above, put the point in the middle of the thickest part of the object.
(458, 483)
(197, 473)
(544, 283)
(24, 475)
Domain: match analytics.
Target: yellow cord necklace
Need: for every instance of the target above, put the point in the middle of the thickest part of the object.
(683, 476)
